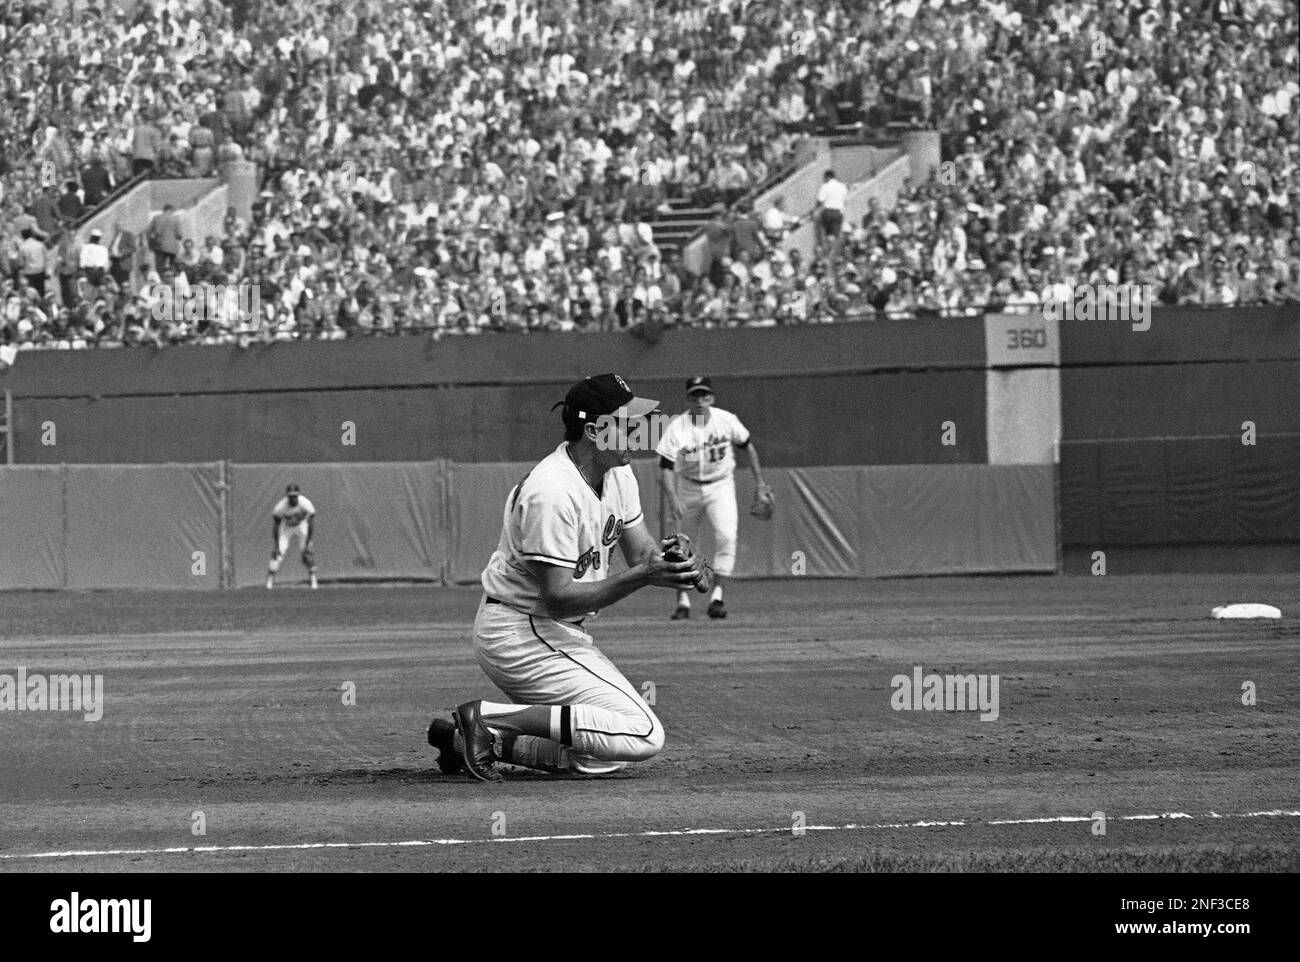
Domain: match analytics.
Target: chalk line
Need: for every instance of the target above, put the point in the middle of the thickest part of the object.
(649, 833)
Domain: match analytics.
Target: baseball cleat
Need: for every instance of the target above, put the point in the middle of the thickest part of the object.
(681, 613)
(442, 736)
(478, 740)
(717, 609)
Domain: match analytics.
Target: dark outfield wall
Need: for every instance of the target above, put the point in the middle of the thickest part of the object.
(870, 393)
(1153, 425)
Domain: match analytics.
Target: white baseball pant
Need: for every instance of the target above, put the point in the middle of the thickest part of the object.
(287, 536)
(715, 500)
(541, 661)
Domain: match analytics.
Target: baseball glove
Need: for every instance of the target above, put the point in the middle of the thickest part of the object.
(764, 505)
(681, 550)
(309, 557)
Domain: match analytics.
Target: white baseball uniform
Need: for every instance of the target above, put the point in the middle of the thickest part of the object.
(554, 516)
(293, 525)
(705, 465)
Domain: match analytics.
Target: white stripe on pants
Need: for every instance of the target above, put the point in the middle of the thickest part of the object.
(540, 661)
(716, 501)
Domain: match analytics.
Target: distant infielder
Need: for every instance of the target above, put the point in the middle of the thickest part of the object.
(293, 517)
(572, 710)
(697, 473)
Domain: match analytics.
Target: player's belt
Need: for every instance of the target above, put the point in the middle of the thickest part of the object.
(710, 481)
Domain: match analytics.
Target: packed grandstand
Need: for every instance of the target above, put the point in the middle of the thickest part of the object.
(464, 166)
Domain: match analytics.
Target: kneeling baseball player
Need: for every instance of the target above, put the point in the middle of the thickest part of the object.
(571, 709)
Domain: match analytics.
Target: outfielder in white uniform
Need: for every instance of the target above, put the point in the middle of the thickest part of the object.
(697, 473)
(571, 709)
(293, 517)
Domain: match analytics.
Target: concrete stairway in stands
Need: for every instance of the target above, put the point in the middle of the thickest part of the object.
(674, 228)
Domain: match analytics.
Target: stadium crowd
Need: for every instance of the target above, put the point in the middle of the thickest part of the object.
(466, 165)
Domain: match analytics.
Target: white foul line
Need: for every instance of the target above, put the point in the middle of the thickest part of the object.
(664, 833)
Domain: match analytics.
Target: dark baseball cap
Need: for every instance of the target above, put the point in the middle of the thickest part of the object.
(292, 489)
(699, 383)
(604, 394)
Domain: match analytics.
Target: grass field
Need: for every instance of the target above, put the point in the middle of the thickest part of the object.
(1116, 695)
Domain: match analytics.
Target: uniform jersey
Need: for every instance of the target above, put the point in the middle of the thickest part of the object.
(553, 515)
(703, 452)
(293, 515)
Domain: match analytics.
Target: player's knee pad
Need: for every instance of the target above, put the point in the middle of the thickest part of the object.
(274, 564)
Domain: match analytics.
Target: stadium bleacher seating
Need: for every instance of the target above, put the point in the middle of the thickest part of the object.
(470, 166)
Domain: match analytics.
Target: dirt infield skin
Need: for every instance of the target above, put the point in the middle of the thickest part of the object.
(1117, 695)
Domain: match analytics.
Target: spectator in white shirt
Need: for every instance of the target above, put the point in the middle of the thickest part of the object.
(829, 213)
(94, 257)
(777, 223)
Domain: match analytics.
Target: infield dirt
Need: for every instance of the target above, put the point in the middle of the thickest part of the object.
(1118, 695)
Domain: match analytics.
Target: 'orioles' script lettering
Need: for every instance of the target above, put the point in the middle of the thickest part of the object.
(613, 531)
(588, 559)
